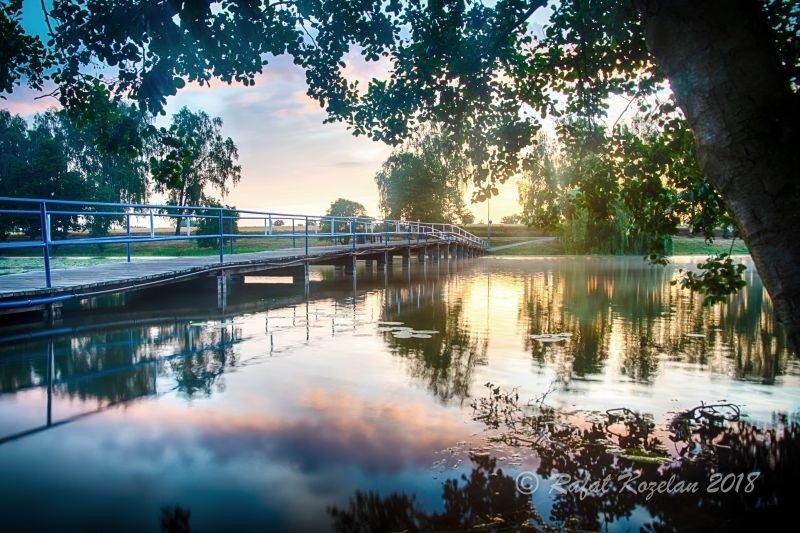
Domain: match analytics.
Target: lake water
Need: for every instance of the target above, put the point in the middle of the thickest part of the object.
(308, 412)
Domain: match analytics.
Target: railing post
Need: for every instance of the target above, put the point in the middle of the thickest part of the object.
(128, 235)
(233, 220)
(306, 236)
(353, 232)
(293, 241)
(45, 219)
(188, 226)
(270, 224)
(152, 225)
(385, 234)
(219, 224)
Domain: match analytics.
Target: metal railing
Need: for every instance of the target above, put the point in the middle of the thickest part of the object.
(43, 224)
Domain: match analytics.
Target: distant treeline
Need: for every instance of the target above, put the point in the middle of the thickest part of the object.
(117, 155)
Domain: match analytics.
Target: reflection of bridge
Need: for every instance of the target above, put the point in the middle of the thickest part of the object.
(339, 241)
(119, 368)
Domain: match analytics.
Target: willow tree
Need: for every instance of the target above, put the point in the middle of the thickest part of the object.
(732, 67)
(424, 180)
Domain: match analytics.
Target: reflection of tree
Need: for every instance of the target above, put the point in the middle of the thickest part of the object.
(487, 498)
(115, 365)
(175, 519)
(200, 372)
(759, 464)
(447, 360)
(595, 299)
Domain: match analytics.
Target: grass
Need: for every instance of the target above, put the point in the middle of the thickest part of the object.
(502, 234)
(542, 246)
(698, 246)
(174, 248)
(519, 231)
(681, 246)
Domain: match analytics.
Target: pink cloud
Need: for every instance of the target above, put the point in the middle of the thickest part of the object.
(23, 101)
(306, 105)
(362, 71)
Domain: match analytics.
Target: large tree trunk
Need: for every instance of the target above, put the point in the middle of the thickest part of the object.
(724, 70)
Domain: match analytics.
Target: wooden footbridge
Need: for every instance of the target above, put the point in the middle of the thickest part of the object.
(285, 244)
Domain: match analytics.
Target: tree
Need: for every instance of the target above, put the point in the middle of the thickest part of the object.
(107, 158)
(540, 187)
(733, 69)
(193, 156)
(345, 208)
(208, 224)
(424, 180)
(33, 164)
(623, 191)
(21, 55)
(56, 159)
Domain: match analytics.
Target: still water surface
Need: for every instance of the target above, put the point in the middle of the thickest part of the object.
(289, 412)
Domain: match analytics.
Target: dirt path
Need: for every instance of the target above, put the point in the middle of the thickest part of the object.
(515, 244)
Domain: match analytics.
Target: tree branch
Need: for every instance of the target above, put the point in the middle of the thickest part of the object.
(47, 19)
(525, 16)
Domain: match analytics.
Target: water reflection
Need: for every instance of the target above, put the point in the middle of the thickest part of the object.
(625, 313)
(485, 498)
(742, 481)
(297, 409)
(444, 362)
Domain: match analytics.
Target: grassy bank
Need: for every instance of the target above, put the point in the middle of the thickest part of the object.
(529, 242)
(681, 246)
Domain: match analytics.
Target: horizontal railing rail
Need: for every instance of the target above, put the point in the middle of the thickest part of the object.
(48, 223)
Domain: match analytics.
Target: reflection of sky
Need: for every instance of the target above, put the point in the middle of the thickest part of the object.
(329, 405)
(290, 435)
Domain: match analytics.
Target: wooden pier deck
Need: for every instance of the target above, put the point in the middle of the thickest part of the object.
(29, 292)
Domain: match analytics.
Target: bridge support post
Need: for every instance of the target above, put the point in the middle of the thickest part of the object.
(222, 290)
(52, 312)
(337, 271)
(300, 274)
(350, 266)
(406, 257)
(421, 256)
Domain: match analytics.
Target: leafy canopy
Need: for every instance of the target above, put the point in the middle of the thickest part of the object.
(342, 207)
(424, 180)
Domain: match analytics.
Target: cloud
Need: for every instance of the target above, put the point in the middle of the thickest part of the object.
(23, 102)
(323, 430)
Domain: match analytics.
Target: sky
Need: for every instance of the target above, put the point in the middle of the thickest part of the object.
(291, 162)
